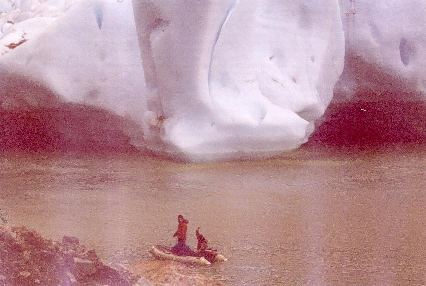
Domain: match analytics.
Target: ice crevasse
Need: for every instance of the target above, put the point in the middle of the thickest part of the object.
(206, 80)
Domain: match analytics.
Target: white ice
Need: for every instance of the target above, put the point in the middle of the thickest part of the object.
(239, 78)
(89, 56)
(209, 80)
(391, 36)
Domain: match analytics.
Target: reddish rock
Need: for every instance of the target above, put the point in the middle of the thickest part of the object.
(26, 258)
(84, 268)
(71, 240)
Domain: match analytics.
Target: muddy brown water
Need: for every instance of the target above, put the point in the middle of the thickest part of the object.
(340, 220)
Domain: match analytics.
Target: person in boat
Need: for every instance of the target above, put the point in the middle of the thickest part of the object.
(181, 248)
(201, 241)
(202, 247)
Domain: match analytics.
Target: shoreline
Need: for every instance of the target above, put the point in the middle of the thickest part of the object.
(27, 258)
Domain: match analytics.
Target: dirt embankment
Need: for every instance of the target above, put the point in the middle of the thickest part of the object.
(26, 258)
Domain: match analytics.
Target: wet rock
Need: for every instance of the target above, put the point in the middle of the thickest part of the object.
(71, 279)
(24, 274)
(109, 276)
(144, 282)
(70, 240)
(7, 235)
(84, 268)
(26, 258)
(91, 255)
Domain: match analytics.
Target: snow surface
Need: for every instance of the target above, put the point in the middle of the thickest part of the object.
(21, 20)
(209, 80)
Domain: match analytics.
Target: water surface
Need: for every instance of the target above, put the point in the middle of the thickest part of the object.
(349, 220)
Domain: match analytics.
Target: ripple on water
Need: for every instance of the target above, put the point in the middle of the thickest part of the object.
(160, 272)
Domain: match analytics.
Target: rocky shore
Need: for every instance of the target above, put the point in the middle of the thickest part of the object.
(26, 258)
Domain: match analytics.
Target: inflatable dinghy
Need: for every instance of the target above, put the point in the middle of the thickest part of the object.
(165, 253)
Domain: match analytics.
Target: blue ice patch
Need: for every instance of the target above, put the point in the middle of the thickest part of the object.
(99, 15)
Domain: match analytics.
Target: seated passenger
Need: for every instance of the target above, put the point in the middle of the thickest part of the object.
(202, 247)
(201, 241)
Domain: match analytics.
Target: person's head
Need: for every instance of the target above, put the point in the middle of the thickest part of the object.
(180, 218)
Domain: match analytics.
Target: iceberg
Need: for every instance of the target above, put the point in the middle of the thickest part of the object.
(209, 80)
(253, 75)
(379, 101)
(389, 37)
(82, 57)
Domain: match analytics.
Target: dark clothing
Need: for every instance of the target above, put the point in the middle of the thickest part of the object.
(182, 249)
(201, 241)
(202, 248)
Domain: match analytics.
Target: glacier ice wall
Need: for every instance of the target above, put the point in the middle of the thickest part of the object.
(87, 56)
(390, 37)
(380, 99)
(211, 79)
(238, 78)
(21, 20)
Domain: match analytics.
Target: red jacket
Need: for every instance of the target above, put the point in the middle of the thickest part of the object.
(181, 231)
